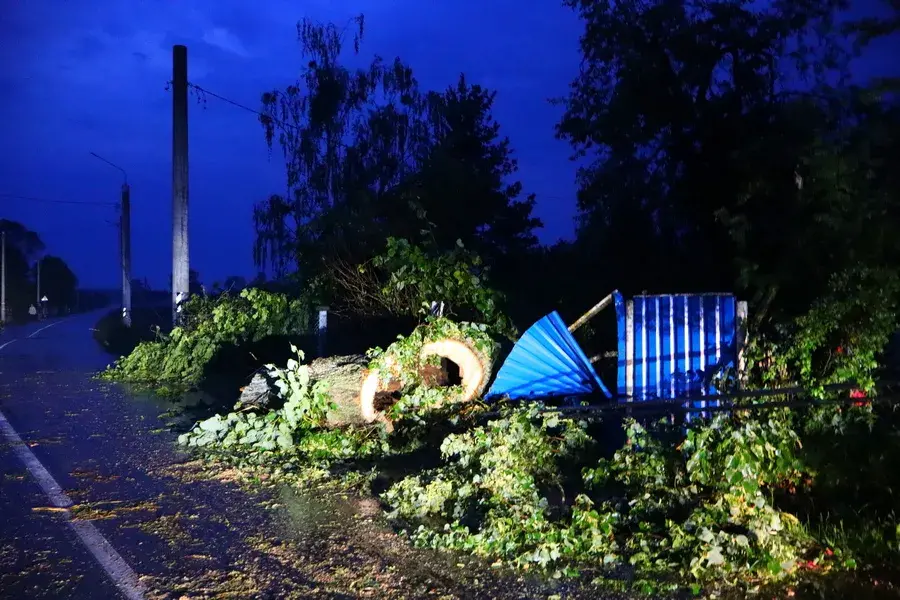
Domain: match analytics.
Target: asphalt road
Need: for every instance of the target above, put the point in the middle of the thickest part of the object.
(121, 523)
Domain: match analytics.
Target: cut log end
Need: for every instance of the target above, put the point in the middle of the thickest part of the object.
(377, 396)
(473, 370)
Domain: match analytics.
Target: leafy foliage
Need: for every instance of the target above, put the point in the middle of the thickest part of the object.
(305, 407)
(703, 508)
(178, 359)
(840, 339)
(488, 499)
(405, 279)
(287, 438)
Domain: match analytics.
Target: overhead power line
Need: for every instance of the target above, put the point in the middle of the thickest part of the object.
(52, 201)
(237, 104)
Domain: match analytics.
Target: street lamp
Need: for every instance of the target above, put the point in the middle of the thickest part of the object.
(124, 242)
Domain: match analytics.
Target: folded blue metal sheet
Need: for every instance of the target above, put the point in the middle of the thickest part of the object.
(546, 361)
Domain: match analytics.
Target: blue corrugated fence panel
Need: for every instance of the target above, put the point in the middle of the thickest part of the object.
(640, 331)
(680, 337)
(651, 306)
(667, 347)
(546, 361)
(622, 345)
(673, 345)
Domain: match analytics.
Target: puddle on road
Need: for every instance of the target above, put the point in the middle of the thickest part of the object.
(309, 515)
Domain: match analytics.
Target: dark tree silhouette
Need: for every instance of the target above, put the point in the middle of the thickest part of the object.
(23, 249)
(728, 150)
(368, 155)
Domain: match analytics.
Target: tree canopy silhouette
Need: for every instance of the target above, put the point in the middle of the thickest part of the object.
(369, 155)
(23, 249)
(728, 147)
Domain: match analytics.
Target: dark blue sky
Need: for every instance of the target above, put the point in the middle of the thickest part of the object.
(90, 76)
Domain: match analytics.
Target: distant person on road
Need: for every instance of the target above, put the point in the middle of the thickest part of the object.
(32, 311)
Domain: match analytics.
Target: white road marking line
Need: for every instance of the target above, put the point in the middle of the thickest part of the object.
(34, 333)
(112, 562)
(7, 344)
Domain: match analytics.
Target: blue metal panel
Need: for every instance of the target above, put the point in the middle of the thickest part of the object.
(621, 382)
(640, 365)
(666, 308)
(697, 368)
(675, 344)
(651, 351)
(729, 326)
(651, 310)
(713, 324)
(546, 361)
(696, 326)
(681, 338)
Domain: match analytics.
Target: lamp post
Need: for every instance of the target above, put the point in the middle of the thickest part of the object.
(3, 278)
(124, 242)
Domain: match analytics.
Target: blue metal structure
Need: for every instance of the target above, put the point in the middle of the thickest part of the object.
(545, 362)
(671, 346)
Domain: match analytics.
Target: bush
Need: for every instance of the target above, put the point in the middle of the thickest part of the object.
(179, 359)
(841, 339)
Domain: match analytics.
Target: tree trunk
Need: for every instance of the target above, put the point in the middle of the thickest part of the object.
(344, 376)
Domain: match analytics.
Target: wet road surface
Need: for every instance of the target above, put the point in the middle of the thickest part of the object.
(149, 532)
(134, 517)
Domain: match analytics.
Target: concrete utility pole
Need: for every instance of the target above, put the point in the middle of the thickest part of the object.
(180, 256)
(124, 242)
(3, 277)
(38, 279)
(125, 226)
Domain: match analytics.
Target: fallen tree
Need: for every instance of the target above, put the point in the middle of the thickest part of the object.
(177, 361)
(440, 362)
(341, 377)
(450, 362)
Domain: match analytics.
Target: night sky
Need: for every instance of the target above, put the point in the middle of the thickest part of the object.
(90, 76)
